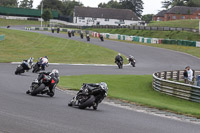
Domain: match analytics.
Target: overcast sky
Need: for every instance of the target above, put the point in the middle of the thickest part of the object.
(150, 6)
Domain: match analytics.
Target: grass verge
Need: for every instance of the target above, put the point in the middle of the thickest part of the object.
(176, 23)
(6, 22)
(19, 45)
(178, 35)
(134, 88)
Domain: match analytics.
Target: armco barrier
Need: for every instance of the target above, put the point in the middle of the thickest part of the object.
(2, 37)
(164, 83)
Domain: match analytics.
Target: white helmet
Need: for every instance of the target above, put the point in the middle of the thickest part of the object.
(55, 71)
(119, 54)
(104, 86)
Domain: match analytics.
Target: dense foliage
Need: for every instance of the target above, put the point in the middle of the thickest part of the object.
(171, 3)
(134, 5)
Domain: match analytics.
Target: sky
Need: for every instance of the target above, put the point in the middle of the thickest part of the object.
(150, 6)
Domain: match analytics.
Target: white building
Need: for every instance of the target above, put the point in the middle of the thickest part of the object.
(87, 16)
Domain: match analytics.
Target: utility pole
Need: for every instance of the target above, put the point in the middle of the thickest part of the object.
(41, 12)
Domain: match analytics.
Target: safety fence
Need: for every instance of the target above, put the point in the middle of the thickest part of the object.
(136, 27)
(167, 82)
(148, 40)
(2, 37)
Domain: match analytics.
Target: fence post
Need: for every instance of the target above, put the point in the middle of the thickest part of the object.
(165, 75)
(178, 75)
(172, 74)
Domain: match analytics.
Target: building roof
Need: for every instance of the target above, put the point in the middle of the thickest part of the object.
(161, 13)
(183, 10)
(108, 13)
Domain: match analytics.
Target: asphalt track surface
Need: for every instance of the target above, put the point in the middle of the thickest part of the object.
(21, 113)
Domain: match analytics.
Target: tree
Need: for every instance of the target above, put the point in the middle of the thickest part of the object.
(147, 18)
(51, 4)
(9, 3)
(68, 7)
(47, 15)
(134, 5)
(171, 3)
(26, 4)
(65, 7)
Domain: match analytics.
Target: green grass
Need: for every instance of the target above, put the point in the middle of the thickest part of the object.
(6, 22)
(19, 45)
(179, 35)
(176, 23)
(134, 88)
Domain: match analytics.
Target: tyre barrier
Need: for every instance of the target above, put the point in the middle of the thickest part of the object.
(2, 37)
(164, 82)
(148, 40)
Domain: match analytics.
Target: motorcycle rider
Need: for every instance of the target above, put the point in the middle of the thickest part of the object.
(29, 63)
(44, 62)
(53, 75)
(118, 58)
(101, 37)
(131, 59)
(81, 34)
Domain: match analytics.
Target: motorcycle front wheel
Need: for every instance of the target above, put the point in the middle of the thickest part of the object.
(38, 90)
(88, 103)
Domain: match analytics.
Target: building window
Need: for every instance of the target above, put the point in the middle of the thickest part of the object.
(121, 20)
(94, 18)
(83, 18)
(106, 19)
(183, 17)
(173, 17)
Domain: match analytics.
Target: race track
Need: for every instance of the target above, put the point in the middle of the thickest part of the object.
(21, 113)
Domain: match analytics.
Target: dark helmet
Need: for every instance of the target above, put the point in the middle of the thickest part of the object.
(45, 57)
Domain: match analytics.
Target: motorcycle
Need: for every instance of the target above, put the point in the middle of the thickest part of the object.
(21, 68)
(90, 95)
(81, 35)
(133, 62)
(101, 38)
(37, 67)
(41, 87)
(119, 64)
(88, 38)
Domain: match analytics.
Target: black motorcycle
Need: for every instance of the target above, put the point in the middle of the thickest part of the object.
(22, 68)
(37, 67)
(90, 95)
(101, 38)
(132, 61)
(119, 64)
(81, 35)
(88, 38)
(42, 87)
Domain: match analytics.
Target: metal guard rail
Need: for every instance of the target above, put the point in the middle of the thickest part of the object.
(180, 90)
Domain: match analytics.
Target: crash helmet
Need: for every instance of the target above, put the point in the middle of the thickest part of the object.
(55, 71)
(45, 57)
(119, 54)
(104, 86)
(31, 59)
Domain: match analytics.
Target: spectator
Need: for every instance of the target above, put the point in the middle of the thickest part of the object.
(185, 74)
(190, 75)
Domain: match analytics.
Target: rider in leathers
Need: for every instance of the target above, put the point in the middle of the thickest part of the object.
(118, 58)
(53, 75)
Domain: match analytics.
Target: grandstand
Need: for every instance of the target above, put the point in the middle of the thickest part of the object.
(22, 12)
